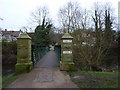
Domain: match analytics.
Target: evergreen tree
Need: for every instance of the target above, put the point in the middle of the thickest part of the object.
(42, 33)
(108, 29)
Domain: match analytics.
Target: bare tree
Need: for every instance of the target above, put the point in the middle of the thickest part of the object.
(24, 29)
(85, 20)
(91, 46)
(73, 17)
(40, 14)
(69, 16)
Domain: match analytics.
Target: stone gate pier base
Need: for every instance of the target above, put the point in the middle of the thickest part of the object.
(67, 56)
(24, 63)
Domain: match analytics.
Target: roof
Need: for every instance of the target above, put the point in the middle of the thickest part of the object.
(24, 35)
(67, 35)
(12, 33)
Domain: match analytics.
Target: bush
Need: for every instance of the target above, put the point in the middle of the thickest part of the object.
(12, 59)
(9, 52)
(111, 58)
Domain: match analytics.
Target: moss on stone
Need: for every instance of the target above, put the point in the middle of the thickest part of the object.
(67, 66)
(24, 63)
(67, 58)
(22, 67)
(71, 67)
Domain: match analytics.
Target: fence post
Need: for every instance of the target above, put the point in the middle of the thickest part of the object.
(24, 62)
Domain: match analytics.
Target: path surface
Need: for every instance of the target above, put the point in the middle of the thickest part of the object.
(45, 75)
(48, 61)
(43, 78)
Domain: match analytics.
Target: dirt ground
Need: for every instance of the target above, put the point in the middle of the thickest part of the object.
(43, 78)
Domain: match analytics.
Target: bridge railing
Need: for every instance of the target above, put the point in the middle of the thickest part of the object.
(38, 52)
(58, 51)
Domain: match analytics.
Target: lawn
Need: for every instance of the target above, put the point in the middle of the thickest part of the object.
(0, 82)
(91, 79)
(7, 80)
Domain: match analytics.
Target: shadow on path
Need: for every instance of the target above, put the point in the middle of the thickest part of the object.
(48, 61)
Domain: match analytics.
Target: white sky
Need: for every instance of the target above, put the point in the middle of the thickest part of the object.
(15, 13)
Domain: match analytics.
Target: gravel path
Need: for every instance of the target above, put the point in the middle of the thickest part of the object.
(43, 78)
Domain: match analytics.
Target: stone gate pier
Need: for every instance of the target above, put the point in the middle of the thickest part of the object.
(66, 52)
(24, 62)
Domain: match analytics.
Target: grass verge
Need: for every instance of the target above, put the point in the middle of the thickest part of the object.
(7, 80)
(91, 79)
(0, 82)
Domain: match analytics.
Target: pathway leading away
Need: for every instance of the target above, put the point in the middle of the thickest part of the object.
(48, 61)
(45, 75)
(43, 78)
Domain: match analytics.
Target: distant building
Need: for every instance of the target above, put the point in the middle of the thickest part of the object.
(119, 15)
(10, 36)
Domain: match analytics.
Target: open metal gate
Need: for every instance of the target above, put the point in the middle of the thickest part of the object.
(58, 51)
(39, 51)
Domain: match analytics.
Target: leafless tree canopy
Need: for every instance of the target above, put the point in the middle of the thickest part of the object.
(73, 17)
(38, 15)
(69, 16)
(90, 31)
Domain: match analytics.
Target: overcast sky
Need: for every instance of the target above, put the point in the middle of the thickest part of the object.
(14, 14)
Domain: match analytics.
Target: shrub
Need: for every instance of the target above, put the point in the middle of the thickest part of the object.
(9, 52)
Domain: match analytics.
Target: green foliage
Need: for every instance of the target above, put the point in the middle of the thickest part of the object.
(23, 67)
(71, 67)
(94, 72)
(111, 58)
(83, 54)
(9, 52)
(96, 49)
(7, 80)
(9, 46)
(90, 79)
(32, 36)
(42, 34)
(108, 34)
